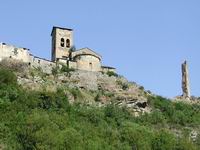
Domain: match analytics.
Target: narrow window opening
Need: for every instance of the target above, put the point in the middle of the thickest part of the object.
(68, 43)
(90, 66)
(62, 42)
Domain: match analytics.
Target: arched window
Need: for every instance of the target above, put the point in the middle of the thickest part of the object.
(62, 42)
(68, 43)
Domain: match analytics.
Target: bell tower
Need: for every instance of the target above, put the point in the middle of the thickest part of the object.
(62, 41)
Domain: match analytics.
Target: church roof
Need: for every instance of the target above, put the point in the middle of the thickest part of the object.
(86, 51)
(60, 28)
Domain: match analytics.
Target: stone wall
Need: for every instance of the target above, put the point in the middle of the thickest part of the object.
(10, 51)
(72, 64)
(62, 61)
(88, 63)
(23, 54)
(44, 64)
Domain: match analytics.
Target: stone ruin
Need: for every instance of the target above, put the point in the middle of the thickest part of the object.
(185, 81)
(186, 96)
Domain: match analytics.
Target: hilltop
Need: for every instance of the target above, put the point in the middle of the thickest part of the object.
(74, 109)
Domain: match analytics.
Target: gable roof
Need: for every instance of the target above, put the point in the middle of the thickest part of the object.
(86, 51)
(54, 27)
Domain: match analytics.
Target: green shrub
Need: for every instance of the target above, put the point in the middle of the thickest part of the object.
(123, 85)
(164, 140)
(111, 73)
(66, 69)
(14, 65)
(55, 71)
(185, 144)
(116, 114)
(141, 88)
(48, 100)
(7, 77)
(97, 98)
(138, 137)
(76, 93)
(70, 139)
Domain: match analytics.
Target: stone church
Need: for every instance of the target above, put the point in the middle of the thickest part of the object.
(62, 52)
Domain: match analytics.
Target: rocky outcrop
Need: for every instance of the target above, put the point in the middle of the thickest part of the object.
(185, 81)
(186, 97)
(108, 88)
(191, 100)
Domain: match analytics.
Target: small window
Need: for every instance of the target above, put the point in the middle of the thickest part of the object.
(90, 64)
(62, 42)
(68, 43)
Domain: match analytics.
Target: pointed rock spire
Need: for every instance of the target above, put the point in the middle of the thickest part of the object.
(185, 80)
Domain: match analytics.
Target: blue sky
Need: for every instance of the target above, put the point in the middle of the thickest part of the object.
(145, 40)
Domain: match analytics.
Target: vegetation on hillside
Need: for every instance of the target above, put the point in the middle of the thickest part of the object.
(46, 121)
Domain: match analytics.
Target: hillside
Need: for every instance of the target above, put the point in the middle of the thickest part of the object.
(71, 109)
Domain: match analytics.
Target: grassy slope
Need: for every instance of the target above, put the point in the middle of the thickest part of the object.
(45, 120)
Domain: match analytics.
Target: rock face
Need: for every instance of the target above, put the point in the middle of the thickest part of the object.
(91, 88)
(97, 88)
(185, 81)
(186, 97)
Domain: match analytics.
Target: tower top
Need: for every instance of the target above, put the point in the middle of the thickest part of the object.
(62, 41)
(55, 27)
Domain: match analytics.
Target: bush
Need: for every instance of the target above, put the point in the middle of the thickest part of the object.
(164, 141)
(141, 88)
(66, 69)
(48, 100)
(70, 139)
(55, 71)
(7, 77)
(138, 137)
(76, 93)
(115, 114)
(123, 85)
(185, 144)
(14, 65)
(97, 97)
(111, 73)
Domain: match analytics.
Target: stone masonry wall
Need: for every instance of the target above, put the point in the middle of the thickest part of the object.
(88, 63)
(9, 51)
(56, 39)
(23, 54)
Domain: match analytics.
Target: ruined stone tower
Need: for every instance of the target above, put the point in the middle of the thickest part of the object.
(185, 80)
(62, 41)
